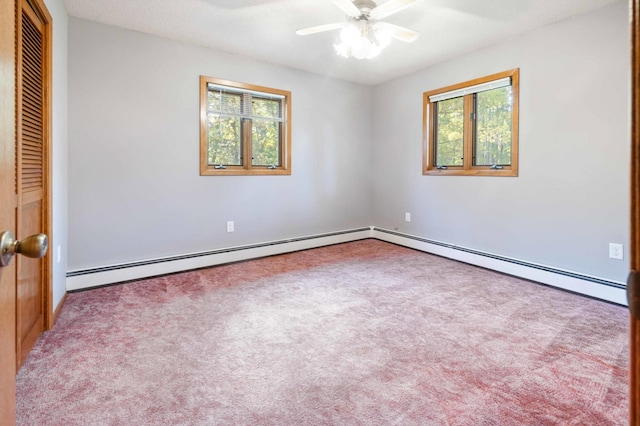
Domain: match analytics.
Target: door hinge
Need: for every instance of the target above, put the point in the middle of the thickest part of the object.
(633, 293)
(472, 116)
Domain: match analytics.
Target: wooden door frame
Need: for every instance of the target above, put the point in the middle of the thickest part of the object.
(49, 316)
(633, 283)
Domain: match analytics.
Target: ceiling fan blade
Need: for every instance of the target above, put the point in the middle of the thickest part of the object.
(400, 33)
(348, 7)
(321, 28)
(391, 7)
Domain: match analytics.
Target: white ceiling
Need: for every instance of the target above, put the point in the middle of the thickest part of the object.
(265, 29)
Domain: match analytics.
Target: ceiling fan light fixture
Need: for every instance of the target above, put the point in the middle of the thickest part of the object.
(365, 49)
(361, 40)
(364, 35)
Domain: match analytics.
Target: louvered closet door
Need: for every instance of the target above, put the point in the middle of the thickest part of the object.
(31, 175)
(7, 210)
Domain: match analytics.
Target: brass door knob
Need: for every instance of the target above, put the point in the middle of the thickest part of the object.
(34, 246)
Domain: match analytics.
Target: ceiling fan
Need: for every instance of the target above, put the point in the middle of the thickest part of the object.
(364, 35)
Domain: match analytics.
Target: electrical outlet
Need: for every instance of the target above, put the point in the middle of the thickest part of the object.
(230, 226)
(407, 217)
(616, 251)
(59, 254)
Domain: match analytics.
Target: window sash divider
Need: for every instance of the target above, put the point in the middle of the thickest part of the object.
(468, 133)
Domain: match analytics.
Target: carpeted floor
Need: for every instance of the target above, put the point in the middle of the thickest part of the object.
(363, 333)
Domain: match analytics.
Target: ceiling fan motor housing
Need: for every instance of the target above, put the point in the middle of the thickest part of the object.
(365, 6)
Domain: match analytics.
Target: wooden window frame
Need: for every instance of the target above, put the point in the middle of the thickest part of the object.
(429, 166)
(246, 169)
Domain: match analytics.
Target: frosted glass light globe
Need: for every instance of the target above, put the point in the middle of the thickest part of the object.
(349, 35)
(362, 40)
(361, 48)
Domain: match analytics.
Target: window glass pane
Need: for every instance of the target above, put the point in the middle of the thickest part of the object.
(493, 127)
(266, 108)
(226, 103)
(223, 137)
(265, 142)
(450, 132)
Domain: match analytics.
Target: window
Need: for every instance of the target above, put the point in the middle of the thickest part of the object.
(244, 129)
(472, 128)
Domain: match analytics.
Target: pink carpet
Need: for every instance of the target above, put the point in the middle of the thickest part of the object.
(363, 333)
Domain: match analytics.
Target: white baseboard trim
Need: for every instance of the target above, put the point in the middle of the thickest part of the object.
(95, 277)
(598, 288)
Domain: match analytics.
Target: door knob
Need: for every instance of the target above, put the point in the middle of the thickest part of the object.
(33, 246)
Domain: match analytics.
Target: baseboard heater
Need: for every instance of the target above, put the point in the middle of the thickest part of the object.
(568, 280)
(508, 259)
(574, 282)
(94, 277)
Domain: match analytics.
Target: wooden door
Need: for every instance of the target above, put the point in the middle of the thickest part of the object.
(7, 210)
(33, 29)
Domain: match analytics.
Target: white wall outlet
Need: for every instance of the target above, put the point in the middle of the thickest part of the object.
(230, 226)
(407, 217)
(59, 254)
(616, 251)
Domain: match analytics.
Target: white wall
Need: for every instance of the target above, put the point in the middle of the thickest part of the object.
(134, 186)
(572, 195)
(59, 140)
(135, 192)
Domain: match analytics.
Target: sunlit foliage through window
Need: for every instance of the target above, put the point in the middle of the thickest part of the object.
(493, 127)
(450, 129)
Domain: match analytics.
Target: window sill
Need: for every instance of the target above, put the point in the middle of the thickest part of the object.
(244, 172)
(471, 172)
